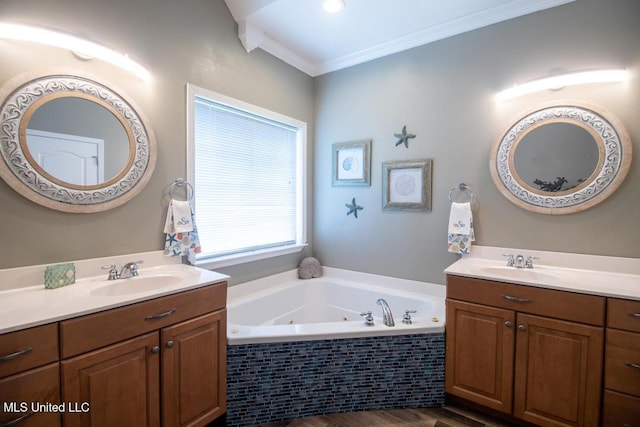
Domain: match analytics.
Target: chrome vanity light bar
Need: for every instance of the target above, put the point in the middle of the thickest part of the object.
(558, 82)
(81, 47)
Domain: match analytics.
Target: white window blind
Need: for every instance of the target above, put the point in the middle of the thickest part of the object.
(246, 175)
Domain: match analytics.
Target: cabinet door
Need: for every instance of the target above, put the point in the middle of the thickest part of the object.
(194, 366)
(479, 354)
(25, 397)
(120, 383)
(558, 372)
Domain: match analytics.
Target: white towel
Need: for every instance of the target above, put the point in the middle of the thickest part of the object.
(178, 217)
(460, 231)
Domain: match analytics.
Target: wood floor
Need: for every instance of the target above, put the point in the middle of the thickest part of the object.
(428, 417)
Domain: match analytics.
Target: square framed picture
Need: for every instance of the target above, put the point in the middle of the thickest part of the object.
(351, 163)
(406, 185)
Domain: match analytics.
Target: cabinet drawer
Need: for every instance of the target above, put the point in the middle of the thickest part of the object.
(97, 330)
(529, 299)
(622, 362)
(24, 391)
(28, 348)
(620, 410)
(623, 314)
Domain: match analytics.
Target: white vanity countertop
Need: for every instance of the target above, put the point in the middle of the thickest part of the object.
(24, 301)
(588, 274)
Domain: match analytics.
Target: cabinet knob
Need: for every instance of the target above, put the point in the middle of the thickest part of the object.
(155, 349)
(522, 328)
(169, 344)
(508, 324)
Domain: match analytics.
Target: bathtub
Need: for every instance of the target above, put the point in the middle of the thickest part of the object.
(283, 308)
(300, 347)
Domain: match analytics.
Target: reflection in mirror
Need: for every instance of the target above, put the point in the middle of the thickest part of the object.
(556, 157)
(561, 158)
(77, 141)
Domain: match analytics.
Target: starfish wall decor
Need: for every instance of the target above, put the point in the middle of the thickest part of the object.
(404, 137)
(353, 208)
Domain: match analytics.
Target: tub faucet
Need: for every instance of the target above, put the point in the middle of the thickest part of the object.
(387, 317)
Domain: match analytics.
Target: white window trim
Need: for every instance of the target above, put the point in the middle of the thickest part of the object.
(224, 261)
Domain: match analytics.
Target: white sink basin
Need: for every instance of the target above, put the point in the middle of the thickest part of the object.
(135, 285)
(534, 274)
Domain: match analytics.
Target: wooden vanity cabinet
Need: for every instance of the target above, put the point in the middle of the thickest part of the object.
(157, 362)
(622, 364)
(29, 376)
(532, 353)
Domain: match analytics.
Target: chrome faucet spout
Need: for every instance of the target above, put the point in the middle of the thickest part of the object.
(387, 317)
(130, 269)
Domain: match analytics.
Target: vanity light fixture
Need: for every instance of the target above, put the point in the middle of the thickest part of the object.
(333, 6)
(558, 82)
(81, 47)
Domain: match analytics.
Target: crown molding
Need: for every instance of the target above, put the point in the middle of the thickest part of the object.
(253, 36)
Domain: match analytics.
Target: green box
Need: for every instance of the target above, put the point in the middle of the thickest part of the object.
(56, 276)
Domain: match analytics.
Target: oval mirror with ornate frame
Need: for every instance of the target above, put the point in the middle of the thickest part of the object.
(561, 158)
(72, 143)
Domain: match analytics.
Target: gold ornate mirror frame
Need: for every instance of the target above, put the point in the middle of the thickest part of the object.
(614, 148)
(23, 95)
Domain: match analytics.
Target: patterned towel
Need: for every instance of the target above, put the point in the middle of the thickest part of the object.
(181, 231)
(460, 231)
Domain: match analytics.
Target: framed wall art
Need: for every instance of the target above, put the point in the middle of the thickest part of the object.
(406, 185)
(351, 163)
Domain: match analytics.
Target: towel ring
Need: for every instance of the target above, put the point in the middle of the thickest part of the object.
(462, 189)
(179, 182)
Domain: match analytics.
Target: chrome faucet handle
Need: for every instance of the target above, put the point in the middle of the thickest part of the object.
(511, 262)
(368, 320)
(132, 268)
(406, 319)
(529, 262)
(113, 272)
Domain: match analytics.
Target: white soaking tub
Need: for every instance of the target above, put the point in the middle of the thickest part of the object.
(283, 308)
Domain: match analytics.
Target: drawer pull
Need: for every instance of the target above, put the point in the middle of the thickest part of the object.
(632, 365)
(160, 315)
(636, 315)
(516, 299)
(17, 420)
(9, 357)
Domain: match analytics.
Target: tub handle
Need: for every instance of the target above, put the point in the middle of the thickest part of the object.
(406, 319)
(368, 318)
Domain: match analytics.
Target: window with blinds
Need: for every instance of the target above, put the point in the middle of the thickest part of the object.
(247, 166)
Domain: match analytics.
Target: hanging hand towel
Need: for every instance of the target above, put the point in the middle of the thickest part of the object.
(179, 217)
(460, 232)
(181, 232)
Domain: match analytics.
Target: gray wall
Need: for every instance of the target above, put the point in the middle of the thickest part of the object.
(444, 93)
(179, 42)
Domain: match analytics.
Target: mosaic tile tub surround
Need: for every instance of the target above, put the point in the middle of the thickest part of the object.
(280, 381)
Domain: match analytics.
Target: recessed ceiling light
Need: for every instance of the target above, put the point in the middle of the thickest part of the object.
(333, 6)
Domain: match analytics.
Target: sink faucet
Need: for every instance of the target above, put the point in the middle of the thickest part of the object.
(519, 262)
(130, 269)
(387, 317)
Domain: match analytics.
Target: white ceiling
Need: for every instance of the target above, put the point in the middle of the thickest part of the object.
(302, 34)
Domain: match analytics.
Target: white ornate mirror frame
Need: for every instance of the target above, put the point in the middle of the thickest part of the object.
(22, 95)
(610, 135)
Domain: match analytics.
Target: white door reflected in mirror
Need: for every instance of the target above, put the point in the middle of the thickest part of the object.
(73, 159)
